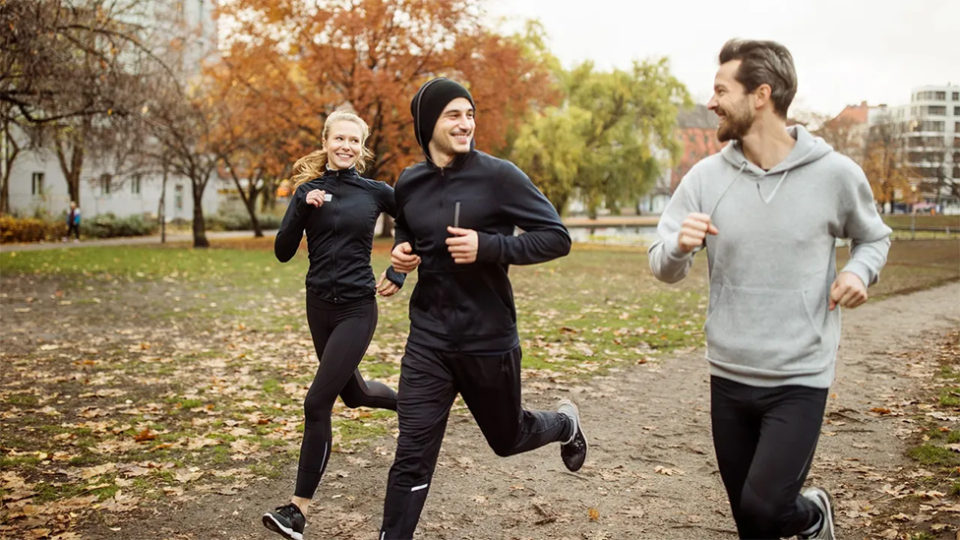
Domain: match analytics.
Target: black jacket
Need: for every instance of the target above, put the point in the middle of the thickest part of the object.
(339, 234)
(469, 307)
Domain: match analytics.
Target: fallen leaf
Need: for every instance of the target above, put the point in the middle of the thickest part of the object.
(594, 514)
(145, 435)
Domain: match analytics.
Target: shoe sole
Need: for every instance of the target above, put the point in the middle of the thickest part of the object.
(271, 523)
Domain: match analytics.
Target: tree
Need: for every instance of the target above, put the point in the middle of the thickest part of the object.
(301, 62)
(885, 162)
(181, 127)
(64, 59)
(603, 143)
(846, 135)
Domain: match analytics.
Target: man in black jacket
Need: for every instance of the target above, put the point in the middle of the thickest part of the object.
(457, 212)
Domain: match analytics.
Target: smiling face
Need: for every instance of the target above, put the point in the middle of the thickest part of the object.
(732, 104)
(344, 144)
(453, 132)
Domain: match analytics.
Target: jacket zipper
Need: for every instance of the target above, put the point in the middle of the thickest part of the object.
(336, 236)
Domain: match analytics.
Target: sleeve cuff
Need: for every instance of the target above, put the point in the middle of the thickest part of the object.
(673, 251)
(860, 270)
(488, 247)
(395, 277)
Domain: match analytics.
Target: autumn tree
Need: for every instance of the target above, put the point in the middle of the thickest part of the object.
(608, 141)
(885, 162)
(301, 62)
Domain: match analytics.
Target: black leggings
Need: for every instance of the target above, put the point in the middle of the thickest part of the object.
(73, 228)
(429, 383)
(765, 439)
(341, 334)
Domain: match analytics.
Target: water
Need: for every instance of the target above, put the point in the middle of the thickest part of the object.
(621, 236)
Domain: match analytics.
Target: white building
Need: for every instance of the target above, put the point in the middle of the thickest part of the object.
(38, 185)
(932, 139)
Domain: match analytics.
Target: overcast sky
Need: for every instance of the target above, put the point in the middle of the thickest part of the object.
(845, 51)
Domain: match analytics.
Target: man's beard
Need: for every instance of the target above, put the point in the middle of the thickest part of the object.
(735, 126)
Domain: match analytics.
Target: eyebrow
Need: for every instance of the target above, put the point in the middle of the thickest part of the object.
(458, 111)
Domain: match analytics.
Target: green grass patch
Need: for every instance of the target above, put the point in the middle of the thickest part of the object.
(9, 462)
(930, 454)
(354, 430)
(950, 397)
(22, 400)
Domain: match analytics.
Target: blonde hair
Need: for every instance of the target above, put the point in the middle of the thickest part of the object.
(314, 164)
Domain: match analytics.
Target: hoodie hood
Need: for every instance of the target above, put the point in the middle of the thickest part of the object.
(807, 150)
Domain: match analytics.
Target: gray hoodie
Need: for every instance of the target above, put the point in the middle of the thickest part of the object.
(774, 259)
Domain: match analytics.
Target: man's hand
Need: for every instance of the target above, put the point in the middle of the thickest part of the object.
(315, 197)
(694, 230)
(403, 259)
(386, 287)
(847, 291)
(463, 245)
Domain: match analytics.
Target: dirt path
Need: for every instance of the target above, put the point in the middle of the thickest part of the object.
(651, 473)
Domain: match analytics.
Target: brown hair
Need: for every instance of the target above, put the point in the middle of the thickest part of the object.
(764, 62)
(314, 164)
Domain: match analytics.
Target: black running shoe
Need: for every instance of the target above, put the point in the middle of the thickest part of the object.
(287, 521)
(574, 451)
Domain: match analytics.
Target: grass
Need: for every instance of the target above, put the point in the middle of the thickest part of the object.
(930, 455)
(904, 220)
(213, 343)
(950, 397)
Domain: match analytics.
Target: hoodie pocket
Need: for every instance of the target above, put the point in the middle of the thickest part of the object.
(764, 329)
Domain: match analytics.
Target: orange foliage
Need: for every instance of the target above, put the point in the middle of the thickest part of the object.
(288, 64)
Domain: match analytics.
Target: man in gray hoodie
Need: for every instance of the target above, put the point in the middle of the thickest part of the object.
(769, 209)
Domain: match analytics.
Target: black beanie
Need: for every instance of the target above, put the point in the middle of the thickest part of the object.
(429, 103)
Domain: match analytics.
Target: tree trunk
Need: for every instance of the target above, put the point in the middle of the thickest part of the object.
(387, 231)
(249, 199)
(71, 171)
(162, 212)
(199, 227)
(251, 204)
(8, 154)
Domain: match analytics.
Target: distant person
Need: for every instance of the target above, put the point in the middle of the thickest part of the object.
(73, 222)
(769, 209)
(338, 209)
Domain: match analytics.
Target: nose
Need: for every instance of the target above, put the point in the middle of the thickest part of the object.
(712, 104)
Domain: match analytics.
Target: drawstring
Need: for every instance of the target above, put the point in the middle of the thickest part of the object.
(717, 205)
(732, 182)
(775, 188)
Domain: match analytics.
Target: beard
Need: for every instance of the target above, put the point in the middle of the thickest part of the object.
(736, 124)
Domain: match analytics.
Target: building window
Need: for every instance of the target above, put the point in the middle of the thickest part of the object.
(941, 96)
(105, 181)
(956, 96)
(135, 184)
(937, 110)
(930, 125)
(178, 197)
(36, 184)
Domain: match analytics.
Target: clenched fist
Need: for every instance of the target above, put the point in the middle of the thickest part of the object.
(847, 291)
(694, 231)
